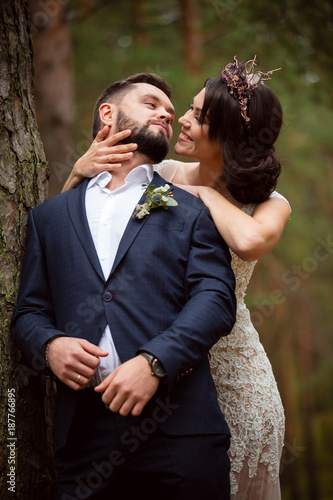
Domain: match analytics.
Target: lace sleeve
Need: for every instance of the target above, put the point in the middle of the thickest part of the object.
(159, 167)
(167, 169)
(275, 194)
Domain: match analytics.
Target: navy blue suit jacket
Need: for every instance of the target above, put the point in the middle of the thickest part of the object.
(170, 292)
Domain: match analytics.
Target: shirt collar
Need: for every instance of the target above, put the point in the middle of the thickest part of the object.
(142, 174)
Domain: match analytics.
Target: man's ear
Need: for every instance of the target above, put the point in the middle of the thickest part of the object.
(107, 113)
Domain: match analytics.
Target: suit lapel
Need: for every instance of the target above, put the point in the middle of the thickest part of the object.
(135, 225)
(77, 212)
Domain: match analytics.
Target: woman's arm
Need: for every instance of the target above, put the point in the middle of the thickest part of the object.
(250, 237)
(100, 157)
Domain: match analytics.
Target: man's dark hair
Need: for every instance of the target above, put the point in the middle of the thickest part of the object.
(117, 90)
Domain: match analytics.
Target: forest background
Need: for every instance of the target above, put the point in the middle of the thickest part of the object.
(80, 46)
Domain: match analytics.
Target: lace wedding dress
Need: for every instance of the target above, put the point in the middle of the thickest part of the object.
(247, 393)
(249, 399)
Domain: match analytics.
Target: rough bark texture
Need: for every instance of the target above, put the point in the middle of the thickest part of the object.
(25, 429)
(53, 84)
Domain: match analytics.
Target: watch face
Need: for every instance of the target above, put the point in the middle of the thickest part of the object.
(157, 368)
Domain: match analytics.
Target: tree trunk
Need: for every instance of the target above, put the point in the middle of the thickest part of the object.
(26, 452)
(192, 36)
(138, 23)
(53, 83)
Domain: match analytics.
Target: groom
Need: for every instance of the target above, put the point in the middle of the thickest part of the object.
(123, 311)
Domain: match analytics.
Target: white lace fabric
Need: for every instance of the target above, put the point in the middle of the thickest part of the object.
(248, 396)
(249, 399)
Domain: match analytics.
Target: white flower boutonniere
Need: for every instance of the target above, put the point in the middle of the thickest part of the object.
(155, 197)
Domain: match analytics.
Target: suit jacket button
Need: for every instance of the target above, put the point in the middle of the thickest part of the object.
(107, 296)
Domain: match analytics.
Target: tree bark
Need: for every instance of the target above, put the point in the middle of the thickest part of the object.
(53, 84)
(25, 430)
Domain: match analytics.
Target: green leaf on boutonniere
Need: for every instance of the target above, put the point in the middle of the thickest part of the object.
(155, 197)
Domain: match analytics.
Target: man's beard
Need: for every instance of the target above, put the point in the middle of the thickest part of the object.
(154, 146)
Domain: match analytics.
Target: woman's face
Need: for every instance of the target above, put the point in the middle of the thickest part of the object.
(193, 140)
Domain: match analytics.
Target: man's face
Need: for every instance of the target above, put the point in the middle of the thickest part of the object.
(149, 113)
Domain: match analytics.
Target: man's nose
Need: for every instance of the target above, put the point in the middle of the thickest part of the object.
(165, 115)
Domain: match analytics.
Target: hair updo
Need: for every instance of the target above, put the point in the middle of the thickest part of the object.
(250, 166)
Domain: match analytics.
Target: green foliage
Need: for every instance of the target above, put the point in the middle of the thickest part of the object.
(156, 197)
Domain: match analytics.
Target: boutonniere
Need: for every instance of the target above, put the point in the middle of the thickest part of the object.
(155, 197)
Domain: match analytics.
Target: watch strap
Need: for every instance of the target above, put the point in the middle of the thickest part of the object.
(156, 368)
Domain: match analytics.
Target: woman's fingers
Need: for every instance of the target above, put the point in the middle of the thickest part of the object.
(102, 134)
(104, 154)
(112, 158)
(119, 136)
(109, 153)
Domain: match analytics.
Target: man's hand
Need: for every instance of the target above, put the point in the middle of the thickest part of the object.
(129, 387)
(74, 361)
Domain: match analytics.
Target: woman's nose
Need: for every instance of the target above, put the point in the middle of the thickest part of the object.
(183, 120)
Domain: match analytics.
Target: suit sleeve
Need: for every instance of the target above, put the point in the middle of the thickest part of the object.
(210, 308)
(33, 322)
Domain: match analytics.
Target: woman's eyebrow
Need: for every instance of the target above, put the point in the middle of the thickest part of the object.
(199, 110)
(196, 108)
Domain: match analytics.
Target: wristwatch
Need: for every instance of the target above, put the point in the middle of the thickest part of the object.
(156, 367)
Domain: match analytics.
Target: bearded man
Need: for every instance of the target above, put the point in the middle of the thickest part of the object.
(122, 310)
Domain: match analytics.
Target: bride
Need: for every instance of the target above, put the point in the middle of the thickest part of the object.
(230, 129)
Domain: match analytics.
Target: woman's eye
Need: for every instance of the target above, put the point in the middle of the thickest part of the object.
(191, 108)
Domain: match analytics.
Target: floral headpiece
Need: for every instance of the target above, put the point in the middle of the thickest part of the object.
(241, 80)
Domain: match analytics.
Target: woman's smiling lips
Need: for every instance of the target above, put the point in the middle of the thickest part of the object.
(184, 137)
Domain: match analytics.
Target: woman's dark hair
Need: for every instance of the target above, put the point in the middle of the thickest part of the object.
(116, 91)
(250, 166)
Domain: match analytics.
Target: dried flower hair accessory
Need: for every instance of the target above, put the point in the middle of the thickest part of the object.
(155, 197)
(241, 80)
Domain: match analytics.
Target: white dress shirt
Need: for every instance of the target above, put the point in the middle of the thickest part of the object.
(108, 213)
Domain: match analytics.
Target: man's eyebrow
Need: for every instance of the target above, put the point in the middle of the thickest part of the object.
(157, 99)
